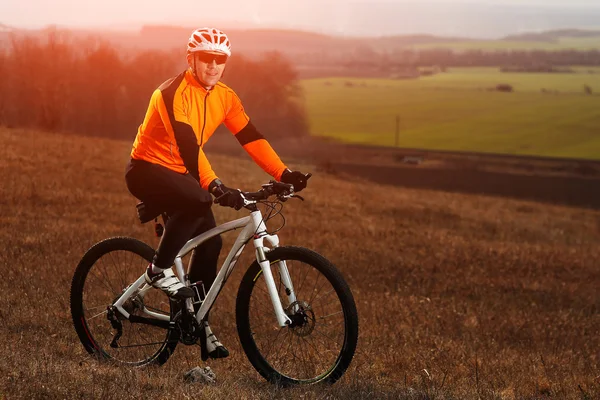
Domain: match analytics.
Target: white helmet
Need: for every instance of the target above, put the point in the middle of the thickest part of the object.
(209, 39)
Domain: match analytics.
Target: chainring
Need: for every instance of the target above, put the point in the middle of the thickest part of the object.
(188, 327)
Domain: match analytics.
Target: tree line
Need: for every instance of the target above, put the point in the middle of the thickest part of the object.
(61, 83)
(473, 58)
(499, 58)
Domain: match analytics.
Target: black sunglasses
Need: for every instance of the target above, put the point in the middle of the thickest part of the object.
(209, 57)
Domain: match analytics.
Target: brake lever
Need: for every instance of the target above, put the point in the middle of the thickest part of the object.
(218, 199)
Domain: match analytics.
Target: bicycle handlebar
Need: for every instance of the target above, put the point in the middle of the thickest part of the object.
(283, 191)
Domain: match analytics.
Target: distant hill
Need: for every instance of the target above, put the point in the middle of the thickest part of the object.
(5, 28)
(555, 35)
(250, 41)
(291, 41)
(305, 46)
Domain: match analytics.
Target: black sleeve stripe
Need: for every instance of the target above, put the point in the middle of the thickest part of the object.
(248, 134)
(184, 133)
(171, 83)
(188, 147)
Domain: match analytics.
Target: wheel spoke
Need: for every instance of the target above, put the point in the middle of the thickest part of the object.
(103, 306)
(97, 315)
(272, 344)
(129, 346)
(325, 336)
(103, 282)
(314, 291)
(102, 270)
(331, 315)
(322, 295)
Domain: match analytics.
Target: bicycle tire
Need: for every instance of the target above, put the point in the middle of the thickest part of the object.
(112, 248)
(270, 367)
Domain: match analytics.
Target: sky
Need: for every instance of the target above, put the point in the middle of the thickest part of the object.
(347, 17)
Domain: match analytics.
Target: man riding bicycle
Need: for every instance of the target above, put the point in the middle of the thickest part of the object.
(169, 171)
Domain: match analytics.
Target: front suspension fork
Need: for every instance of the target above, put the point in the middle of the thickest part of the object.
(265, 265)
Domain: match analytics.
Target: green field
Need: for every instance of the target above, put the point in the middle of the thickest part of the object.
(565, 43)
(457, 111)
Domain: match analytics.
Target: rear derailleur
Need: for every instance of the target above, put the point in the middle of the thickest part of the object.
(115, 322)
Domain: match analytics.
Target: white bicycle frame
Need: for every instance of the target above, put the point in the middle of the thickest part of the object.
(252, 226)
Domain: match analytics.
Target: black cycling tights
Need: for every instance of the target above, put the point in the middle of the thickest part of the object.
(188, 208)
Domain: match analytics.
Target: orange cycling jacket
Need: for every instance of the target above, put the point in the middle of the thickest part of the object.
(183, 115)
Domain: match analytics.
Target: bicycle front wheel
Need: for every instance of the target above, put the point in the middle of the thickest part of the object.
(321, 341)
(103, 274)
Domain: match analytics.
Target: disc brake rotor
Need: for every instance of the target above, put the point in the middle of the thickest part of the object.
(303, 318)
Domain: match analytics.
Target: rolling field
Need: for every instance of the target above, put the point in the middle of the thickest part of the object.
(459, 296)
(457, 111)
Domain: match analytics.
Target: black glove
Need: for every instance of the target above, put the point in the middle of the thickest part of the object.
(225, 196)
(296, 178)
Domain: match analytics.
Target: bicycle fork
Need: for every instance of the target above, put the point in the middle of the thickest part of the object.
(265, 265)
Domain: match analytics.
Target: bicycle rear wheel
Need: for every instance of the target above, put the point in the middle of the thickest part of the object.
(320, 343)
(102, 275)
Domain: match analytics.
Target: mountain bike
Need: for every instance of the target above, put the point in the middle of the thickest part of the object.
(295, 314)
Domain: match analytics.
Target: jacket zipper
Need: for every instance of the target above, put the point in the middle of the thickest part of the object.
(204, 121)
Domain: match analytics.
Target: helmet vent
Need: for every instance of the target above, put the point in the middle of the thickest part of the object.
(209, 39)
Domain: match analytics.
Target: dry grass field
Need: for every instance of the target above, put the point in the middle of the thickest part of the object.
(459, 296)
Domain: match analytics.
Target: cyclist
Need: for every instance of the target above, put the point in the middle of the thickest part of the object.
(169, 171)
